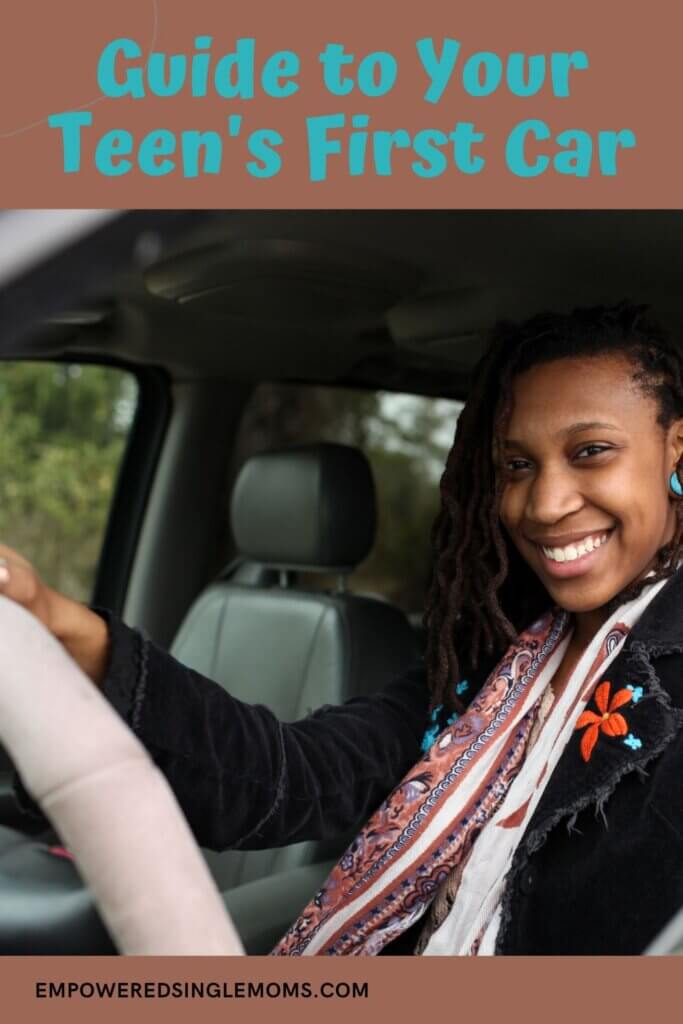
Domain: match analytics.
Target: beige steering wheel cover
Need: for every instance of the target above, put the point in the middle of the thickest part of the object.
(111, 806)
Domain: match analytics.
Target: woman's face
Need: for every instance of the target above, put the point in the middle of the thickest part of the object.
(586, 469)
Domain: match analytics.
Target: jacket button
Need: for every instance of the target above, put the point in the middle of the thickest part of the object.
(527, 881)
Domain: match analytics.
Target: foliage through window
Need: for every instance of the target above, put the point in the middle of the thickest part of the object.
(63, 429)
(406, 439)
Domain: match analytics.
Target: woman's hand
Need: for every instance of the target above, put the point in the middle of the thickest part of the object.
(82, 632)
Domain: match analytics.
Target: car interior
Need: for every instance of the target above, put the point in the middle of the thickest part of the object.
(293, 380)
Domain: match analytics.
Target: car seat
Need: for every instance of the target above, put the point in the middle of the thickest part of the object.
(269, 642)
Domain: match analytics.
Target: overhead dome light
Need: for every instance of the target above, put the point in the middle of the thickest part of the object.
(449, 325)
(276, 280)
(85, 317)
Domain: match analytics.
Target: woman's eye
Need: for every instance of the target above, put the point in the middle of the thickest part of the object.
(592, 449)
(517, 465)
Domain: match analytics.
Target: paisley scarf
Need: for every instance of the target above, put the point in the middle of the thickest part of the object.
(425, 831)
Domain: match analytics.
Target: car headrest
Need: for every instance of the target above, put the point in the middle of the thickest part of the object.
(308, 508)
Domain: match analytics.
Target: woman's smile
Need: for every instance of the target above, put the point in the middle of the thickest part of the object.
(574, 557)
(585, 468)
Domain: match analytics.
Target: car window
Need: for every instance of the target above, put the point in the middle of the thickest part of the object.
(63, 429)
(406, 439)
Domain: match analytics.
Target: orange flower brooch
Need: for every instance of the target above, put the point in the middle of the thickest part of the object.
(607, 719)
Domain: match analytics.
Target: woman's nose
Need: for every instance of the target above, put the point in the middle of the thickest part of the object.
(552, 496)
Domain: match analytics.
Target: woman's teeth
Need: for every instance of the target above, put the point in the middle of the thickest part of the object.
(573, 551)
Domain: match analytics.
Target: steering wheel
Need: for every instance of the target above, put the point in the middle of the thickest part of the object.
(113, 811)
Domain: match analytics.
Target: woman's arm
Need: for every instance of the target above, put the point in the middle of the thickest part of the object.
(244, 779)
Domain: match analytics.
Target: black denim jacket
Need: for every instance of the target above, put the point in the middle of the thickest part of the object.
(600, 867)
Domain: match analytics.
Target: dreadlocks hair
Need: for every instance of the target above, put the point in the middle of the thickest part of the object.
(482, 593)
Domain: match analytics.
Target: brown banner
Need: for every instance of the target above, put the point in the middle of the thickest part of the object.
(330, 990)
(621, 110)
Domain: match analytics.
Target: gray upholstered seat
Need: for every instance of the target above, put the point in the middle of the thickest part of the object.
(310, 508)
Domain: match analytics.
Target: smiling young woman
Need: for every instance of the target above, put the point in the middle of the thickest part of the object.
(584, 416)
(551, 691)
(587, 467)
(586, 499)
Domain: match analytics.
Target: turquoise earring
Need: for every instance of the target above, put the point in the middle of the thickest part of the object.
(675, 484)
